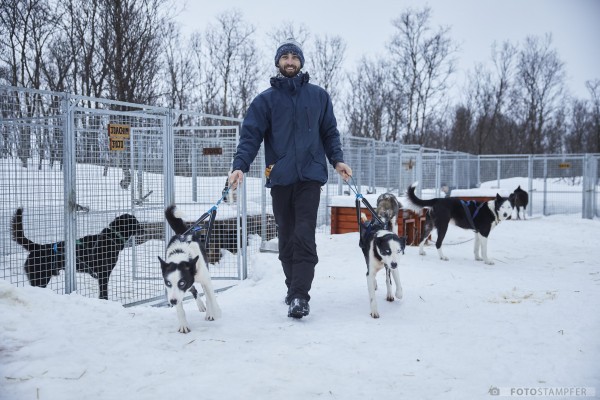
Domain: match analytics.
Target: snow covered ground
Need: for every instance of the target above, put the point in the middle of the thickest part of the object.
(463, 329)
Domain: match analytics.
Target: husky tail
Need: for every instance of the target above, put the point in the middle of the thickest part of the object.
(18, 233)
(412, 202)
(174, 218)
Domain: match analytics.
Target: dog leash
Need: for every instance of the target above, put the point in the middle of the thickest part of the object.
(210, 213)
(359, 198)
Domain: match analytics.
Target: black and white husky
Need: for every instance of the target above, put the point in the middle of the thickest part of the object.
(186, 263)
(382, 249)
(480, 217)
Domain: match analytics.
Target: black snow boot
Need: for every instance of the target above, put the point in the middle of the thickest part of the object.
(298, 308)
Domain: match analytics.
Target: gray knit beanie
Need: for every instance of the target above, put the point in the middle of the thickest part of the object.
(290, 45)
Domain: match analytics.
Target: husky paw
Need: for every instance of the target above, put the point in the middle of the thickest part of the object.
(374, 314)
(489, 262)
(184, 329)
(444, 258)
(201, 305)
(399, 294)
(389, 297)
(422, 252)
(477, 258)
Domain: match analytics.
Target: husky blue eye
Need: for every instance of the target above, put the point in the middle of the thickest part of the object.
(168, 284)
(181, 284)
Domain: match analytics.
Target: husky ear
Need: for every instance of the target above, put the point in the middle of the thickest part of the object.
(193, 265)
(498, 197)
(163, 265)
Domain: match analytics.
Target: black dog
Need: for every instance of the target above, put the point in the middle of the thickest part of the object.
(95, 254)
(519, 198)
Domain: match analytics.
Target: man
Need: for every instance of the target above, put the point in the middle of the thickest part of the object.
(296, 121)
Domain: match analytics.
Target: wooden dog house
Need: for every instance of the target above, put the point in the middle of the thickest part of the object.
(410, 224)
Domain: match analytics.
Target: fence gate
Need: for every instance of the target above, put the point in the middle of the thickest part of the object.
(78, 166)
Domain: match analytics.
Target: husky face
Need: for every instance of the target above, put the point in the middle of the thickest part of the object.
(504, 209)
(178, 277)
(389, 247)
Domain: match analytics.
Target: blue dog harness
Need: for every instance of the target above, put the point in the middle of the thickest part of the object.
(470, 217)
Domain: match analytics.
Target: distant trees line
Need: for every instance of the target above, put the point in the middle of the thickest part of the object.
(134, 51)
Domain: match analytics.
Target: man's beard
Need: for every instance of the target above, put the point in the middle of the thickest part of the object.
(289, 73)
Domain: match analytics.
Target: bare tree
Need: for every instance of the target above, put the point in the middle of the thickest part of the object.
(131, 41)
(594, 134)
(422, 63)
(26, 27)
(365, 108)
(491, 97)
(575, 141)
(229, 43)
(180, 77)
(541, 77)
(327, 60)
(208, 80)
(461, 132)
(244, 83)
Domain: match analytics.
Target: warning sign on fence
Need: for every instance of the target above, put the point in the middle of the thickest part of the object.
(117, 134)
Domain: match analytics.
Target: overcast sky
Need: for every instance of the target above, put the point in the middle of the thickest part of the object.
(365, 25)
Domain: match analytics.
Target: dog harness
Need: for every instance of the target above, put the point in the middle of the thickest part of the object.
(470, 218)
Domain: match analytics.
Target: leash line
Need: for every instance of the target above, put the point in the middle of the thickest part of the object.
(359, 198)
(210, 213)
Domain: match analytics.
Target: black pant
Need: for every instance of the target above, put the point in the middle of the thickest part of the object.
(295, 208)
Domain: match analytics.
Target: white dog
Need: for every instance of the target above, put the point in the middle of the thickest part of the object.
(186, 263)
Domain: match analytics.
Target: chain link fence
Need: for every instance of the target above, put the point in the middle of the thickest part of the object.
(75, 164)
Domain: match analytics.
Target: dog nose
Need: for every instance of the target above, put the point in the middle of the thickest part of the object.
(173, 302)
(394, 265)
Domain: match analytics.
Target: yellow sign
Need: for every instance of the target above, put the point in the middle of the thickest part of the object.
(117, 144)
(564, 165)
(119, 130)
(117, 134)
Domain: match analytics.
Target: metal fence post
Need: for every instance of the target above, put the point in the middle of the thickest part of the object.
(545, 195)
(438, 173)
(530, 184)
(69, 189)
(168, 167)
(244, 238)
(587, 206)
(419, 170)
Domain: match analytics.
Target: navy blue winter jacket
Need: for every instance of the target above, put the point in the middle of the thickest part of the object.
(295, 119)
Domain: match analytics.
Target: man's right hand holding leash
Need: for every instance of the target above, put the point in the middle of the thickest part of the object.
(344, 170)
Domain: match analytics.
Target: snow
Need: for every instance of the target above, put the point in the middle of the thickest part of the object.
(463, 328)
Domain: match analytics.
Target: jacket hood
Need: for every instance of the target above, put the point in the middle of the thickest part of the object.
(292, 84)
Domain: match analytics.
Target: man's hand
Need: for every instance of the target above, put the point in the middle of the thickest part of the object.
(235, 178)
(344, 170)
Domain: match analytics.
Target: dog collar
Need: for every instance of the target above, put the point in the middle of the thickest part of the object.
(119, 236)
